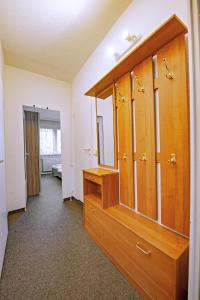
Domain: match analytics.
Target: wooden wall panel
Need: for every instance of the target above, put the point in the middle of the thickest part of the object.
(145, 138)
(174, 131)
(125, 140)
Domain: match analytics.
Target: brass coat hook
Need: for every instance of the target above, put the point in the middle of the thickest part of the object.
(143, 157)
(124, 156)
(172, 158)
(123, 98)
(140, 85)
(169, 75)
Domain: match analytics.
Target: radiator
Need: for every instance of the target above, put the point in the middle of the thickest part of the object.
(48, 161)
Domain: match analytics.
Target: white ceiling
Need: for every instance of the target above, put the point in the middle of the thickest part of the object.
(55, 37)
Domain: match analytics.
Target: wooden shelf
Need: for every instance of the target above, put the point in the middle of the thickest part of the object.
(99, 171)
(164, 34)
(94, 198)
(101, 186)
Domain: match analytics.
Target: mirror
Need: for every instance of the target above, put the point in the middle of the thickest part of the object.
(106, 129)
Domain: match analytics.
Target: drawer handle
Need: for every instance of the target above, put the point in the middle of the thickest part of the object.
(142, 250)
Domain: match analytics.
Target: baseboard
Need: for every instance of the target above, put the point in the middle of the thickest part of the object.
(78, 200)
(71, 199)
(67, 199)
(17, 211)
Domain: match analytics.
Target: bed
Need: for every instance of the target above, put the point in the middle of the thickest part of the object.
(57, 170)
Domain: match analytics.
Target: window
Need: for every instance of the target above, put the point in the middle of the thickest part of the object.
(50, 141)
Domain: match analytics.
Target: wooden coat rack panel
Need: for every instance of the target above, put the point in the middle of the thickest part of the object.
(145, 138)
(125, 140)
(174, 135)
(168, 44)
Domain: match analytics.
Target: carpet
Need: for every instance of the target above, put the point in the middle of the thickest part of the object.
(49, 254)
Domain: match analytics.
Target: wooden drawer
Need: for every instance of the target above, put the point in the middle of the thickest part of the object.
(159, 267)
(153, 273)
(93, 178)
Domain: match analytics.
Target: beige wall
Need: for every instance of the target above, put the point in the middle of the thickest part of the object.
(3, 211)
(26, 88)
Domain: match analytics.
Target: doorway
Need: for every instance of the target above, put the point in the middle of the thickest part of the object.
(42, 153)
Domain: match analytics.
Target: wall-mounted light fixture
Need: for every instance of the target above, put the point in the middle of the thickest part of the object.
(126, 35)
(112, 52)
(132, 39)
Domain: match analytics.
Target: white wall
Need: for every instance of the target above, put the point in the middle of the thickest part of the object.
(26, 88)
(3, 211)
(141, 17)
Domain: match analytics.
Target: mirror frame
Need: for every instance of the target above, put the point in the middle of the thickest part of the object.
(103, 95)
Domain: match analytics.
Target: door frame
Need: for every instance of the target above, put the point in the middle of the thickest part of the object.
(61, 129)
(194, 74)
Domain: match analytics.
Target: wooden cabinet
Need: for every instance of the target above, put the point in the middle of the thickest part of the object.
(150, 256)
(102, 186)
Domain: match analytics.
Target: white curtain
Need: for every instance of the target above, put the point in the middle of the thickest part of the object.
(50, 141)
(46, 141)
(58, 141)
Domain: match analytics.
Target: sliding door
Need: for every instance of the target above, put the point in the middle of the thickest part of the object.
(32, 153)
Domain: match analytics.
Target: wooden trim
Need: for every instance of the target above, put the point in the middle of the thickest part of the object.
(115, 128)
(16, 211)
(164, 34)
(103, 95)
(97, 132)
